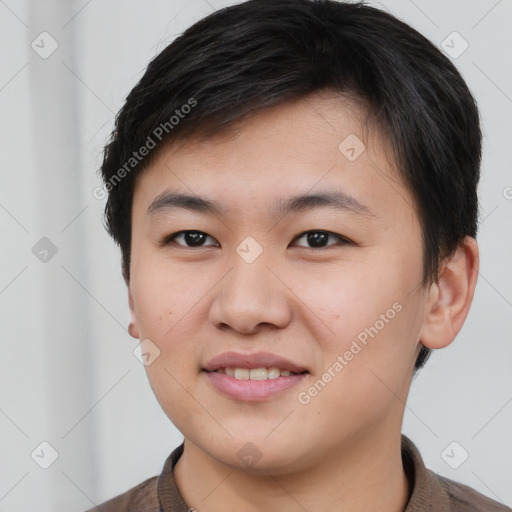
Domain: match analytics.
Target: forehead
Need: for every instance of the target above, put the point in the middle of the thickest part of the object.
(316, 144)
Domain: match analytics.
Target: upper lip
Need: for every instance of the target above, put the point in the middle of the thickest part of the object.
(256, 360)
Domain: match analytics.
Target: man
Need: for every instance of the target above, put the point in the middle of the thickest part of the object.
(292, 185)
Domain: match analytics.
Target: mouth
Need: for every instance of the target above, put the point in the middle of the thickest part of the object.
(256, 373)
(252, 377)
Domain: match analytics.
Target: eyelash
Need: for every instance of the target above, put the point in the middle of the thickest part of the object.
(171, 238)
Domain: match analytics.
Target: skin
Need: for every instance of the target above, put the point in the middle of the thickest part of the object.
(340, 451)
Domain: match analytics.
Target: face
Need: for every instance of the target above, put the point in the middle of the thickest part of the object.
(276, 272)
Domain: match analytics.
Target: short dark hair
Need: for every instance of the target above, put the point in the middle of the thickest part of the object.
(262, 53)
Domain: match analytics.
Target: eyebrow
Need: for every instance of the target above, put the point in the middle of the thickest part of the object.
(169, 201)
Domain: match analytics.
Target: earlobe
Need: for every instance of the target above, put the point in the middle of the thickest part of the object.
(133, 330)
(451, 296)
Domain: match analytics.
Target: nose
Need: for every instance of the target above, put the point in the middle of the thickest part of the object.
(249, 299)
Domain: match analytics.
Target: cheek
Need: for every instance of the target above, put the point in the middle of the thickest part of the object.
(367, 364)
(171, 308)
(368, 314)
(345, 301)
(162, 296)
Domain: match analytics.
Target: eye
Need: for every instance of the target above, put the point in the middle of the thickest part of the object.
(319, 239)
(190, 239)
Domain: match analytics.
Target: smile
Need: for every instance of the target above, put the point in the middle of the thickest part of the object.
(255, 373)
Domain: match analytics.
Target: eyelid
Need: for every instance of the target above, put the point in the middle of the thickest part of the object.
(342, 239)
(170, 239)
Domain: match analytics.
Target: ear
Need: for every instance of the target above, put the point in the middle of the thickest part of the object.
(450, 296)
(133, 329)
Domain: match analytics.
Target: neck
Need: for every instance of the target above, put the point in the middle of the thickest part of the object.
(356, 478)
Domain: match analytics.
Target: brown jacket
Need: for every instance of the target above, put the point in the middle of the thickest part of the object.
(430, 492)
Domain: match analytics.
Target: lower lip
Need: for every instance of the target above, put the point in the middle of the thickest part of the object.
(252, 390)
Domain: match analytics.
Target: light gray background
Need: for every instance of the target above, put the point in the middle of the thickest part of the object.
(68, 373)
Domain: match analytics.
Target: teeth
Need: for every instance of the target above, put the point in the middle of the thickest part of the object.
(273, 373)
(255, 373)
(258, 374)
(242, 373)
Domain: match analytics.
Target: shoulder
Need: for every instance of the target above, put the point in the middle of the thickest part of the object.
(146, 496)
(436, 493)
(466, 499)
(141, 498)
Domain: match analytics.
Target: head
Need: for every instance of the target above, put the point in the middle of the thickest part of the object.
(260, 102)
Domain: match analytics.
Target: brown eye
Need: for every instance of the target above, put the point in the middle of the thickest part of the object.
(319, 238)
(191, 239)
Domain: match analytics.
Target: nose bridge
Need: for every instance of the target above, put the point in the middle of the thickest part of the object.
(250, 296)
